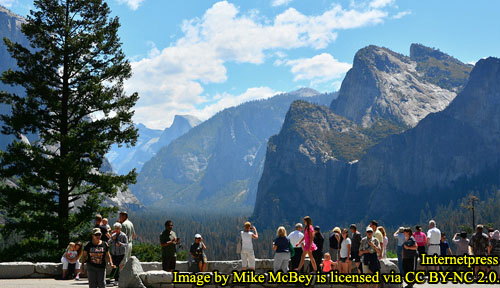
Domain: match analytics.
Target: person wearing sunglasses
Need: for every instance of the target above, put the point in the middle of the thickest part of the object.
(370, 249)
(96, 253)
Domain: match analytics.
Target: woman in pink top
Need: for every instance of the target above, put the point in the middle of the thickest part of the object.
(309, 245)
(421, 238)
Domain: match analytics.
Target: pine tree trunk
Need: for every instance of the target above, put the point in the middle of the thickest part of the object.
(63, 183)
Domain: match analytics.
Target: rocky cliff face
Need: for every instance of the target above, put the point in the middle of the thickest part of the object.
(313, 144)
(124, 199)
(317, 170)
(447, 154)
(10, 27)
(150, 141)
(217, 164)
(386, 85)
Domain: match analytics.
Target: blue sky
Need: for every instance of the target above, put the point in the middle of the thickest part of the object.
(198, 57)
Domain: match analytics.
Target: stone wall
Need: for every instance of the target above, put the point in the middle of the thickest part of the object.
(162, 279)
(13, 270)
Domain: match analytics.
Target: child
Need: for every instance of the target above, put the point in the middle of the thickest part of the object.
(104, 222)
(71, 256)
(328, 265)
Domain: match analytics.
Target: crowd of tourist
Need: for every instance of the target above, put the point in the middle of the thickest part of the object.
(348, 251)
(107, 246)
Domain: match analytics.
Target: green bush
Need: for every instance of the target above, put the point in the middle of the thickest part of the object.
(147, 252)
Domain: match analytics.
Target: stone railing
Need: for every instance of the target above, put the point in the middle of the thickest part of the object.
(162, 279)
(14, 270)
(150, 274)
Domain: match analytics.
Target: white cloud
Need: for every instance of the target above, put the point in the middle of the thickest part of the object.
(172, 78)
(155, 117)
(381, 3)
(280, 2)
(132, 4)
(401, 14)
(318, 69)
(7, 3)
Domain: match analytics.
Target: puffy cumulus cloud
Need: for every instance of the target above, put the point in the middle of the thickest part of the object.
(155, 116)
(172, 78)
(132, 4)
(401, 14)
(276, 3)
(318, 69)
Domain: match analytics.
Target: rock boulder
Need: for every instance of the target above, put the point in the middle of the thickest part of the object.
(129, 276)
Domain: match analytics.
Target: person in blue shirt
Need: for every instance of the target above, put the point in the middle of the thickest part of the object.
(281, 247)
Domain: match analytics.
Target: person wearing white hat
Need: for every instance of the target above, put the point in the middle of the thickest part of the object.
(95, 254)
(198, 253)
(118, 245)
(400, 236)
(369, 249)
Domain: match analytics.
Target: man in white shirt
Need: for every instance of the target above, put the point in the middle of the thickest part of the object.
(295, 238)
(433, 241)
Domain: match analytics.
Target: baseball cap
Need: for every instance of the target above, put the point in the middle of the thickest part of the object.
(96, 231)
(197, 236)
(369, 229)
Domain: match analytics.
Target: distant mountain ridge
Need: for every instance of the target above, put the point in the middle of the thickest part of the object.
(217, 164)
(319, 154)
(124, 159)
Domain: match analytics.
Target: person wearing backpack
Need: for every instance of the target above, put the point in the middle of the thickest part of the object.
(335, 244)
(294, 238)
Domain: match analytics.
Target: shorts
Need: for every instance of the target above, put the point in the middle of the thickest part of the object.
(168, 263)
(202, 260)
(434, 249)
(247, 259)
(355, 256)
(66, 263)
(343, 260)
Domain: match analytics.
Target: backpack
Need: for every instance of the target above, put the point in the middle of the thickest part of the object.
(334, 244)
(292, 250)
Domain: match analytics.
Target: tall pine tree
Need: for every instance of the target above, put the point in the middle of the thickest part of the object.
(75, 104)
